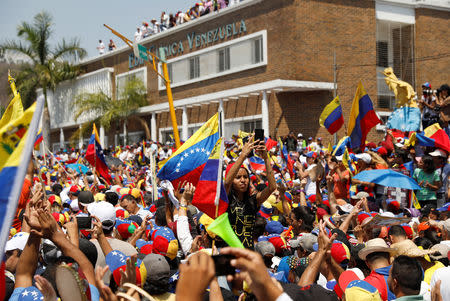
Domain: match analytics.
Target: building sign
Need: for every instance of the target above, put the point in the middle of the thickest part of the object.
(194, 41)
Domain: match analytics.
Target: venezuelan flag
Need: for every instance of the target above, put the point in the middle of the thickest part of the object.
(187, 163)
(331, 117)
(362, 118)
(94, 155)
(434, 136)
(207, 186)
(348, 163)
(16, 144)
(38, 139)
(15, 108)
(142, 159)
(257, 163)
(341, 146)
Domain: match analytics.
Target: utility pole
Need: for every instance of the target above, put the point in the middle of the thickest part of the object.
(165, 77)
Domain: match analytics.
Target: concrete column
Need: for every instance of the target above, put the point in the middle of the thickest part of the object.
(153, 127)
(222, 121)
(61, 138)
(80, 139)
(265, 113)
(184, 122)
(102, 136)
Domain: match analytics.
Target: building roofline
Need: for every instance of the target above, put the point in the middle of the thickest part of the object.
(174, 30)
(277, 85)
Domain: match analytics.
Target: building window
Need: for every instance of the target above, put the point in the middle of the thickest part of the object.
(250, 126)
(233, 56)
(224, 59)
(395, 48)
(194, 67)
(257, 50)
(382, 54)
(121, 79)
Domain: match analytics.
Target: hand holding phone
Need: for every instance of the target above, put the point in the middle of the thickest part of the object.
(222, 264)
(84, 222)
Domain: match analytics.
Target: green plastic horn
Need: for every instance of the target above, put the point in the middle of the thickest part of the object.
(221, 226)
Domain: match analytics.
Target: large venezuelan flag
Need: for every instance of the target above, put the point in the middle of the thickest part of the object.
(331, 117)
(16, 143)
(362, 118)
(94, 155)
(434, 136)
(207, 186)
(187, 163)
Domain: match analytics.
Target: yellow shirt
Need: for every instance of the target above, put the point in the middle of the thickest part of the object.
(429, 272)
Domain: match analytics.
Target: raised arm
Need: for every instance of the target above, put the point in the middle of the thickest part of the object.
(246, 150)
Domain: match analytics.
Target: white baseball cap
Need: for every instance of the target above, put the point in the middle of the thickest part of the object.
(104, 211)
(438, 153)
(18, 241)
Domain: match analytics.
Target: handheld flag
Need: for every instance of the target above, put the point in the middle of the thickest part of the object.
(16, 139)
(206, 191)
(187, 163)
(38, 140)
(142, 159)
(347, 161)
(257, 163)
(434, 136)
(341, 146)
(331, 117)
(94, 155)
(415, 202)
(15, 108)
(362, 118)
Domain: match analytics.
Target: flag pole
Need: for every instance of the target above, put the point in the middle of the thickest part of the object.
(219, 170)
(335, 138)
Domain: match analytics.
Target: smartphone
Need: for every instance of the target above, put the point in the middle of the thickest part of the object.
(259, 135)
(222, 264)
(84, 222)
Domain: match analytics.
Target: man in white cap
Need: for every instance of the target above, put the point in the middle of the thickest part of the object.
(13, 249)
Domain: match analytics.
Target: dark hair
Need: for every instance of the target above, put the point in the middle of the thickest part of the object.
(423, 242)
(111, 197)
(160, 216)
(305, 214)
(377, 255)
(432, 235)
(259, 227)
(156, 287)
(89, 250)
(57, 188)
(397, 230)
(129, 197)
(403, 154)
(408, 273)
(428, 164)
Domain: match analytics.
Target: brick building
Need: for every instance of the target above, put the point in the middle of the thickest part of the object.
(272, 65)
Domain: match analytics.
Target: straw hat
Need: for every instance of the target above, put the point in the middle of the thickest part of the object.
(409, 248)
(372, 246)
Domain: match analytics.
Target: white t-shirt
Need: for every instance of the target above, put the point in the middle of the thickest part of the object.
(137, 36)
(310, 187)
(101, 48)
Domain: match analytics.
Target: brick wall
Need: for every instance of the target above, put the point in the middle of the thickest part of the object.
(432, 47)
(303, 35)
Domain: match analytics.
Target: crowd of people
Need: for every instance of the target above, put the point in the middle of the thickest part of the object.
(313, 232)
(169, 20)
